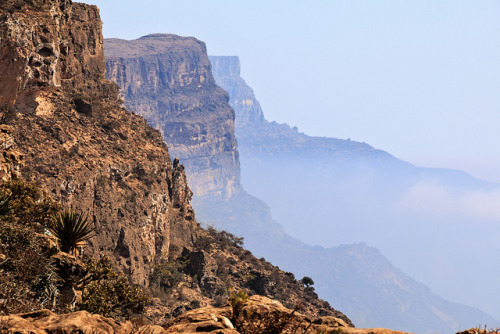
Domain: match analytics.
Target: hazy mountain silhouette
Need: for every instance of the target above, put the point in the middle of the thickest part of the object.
(438, 225)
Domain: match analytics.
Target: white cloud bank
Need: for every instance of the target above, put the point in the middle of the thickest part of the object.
(430, 197)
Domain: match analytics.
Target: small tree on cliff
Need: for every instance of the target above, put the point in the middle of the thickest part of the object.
(307, 281)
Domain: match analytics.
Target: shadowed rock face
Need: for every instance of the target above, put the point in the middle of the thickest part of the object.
(167, 79)
(79, 144)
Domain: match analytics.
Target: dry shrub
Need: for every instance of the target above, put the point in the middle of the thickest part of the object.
(109, 293)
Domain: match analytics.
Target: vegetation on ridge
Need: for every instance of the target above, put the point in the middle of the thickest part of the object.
(28, 278)
(32, 274)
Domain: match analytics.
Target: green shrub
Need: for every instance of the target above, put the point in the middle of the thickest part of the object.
(307, 281)
(107, 292)
(27, 279)
(221, 238)
(195, 304)
(167, 274)
(29, 205)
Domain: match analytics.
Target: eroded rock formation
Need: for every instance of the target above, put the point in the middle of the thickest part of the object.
(167, 79)
(73, 138)
(53, 43)
(11, 160)
(79, 144)
(258, 314)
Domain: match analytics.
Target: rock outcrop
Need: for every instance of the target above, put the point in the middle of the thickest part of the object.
(167, 79)
(144, 74)
(71, 136)
(79, 144)
(11, 160)
(44, 321)
(264, 313)
(257, 315)
(45, 44)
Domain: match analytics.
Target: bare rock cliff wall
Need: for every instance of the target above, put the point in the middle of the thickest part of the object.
(167, 79)
(72, 137)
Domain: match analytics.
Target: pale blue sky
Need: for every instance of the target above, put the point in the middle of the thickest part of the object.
(417, 78)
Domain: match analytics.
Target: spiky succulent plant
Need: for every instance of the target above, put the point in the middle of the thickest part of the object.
(71, 229)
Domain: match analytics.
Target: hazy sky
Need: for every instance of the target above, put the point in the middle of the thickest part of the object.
(417, 78)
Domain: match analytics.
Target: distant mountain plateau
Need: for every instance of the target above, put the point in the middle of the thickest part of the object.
(167, 80)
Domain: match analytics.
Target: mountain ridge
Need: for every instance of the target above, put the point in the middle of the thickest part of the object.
(64, 129)
(247, 216)
(350, 189)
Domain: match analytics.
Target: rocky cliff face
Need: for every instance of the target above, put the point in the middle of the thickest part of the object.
(79, 144)
(145, 69)
(49, 44)
(167, 79)
(346, 191)
(226, 70)
(257, 136)
(62, 126)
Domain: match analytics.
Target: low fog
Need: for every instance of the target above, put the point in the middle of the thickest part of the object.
(438, 226)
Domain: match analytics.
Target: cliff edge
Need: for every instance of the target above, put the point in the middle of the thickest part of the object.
(167, 79)
(79, 144)
(62, 126)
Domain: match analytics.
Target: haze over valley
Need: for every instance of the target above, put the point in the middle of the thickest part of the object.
(144, 188)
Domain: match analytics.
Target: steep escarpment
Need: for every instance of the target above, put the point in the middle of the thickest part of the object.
(346, 192)
(383, 296)
(167, 79)
(257, 136)
(79, 144)
(63, 127)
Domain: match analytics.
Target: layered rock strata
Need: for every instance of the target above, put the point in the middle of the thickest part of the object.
(79, 144)
(167, 79)
(144, 69)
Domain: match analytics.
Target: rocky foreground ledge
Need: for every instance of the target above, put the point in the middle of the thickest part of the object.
(259, 314)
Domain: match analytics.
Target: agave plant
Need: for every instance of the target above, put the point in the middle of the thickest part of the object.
(71, 229)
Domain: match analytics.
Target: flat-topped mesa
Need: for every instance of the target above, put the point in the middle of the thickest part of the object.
(79, 144)
(168, 80)
(225, 66)
(48, 43)
(226, 71)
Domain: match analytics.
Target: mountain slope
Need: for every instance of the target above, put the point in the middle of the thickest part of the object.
(80, 145)
(431, 223)
(346, 278)
(62, 127)
(189, 109)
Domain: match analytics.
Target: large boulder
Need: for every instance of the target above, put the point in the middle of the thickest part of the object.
(44, 322)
